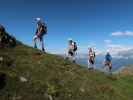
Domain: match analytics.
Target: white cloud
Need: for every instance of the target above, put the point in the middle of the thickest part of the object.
(120, 51)
(108, 41)
(126, 33)
(119, 47)
(99, 52)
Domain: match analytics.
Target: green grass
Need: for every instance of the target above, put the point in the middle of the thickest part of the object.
(51, 75)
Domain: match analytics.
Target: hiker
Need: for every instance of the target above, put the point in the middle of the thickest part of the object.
(5, 39)
(1, 32)
(91, 59)
(72, 48)
(40, 32)
(108, 61)
(2, 29)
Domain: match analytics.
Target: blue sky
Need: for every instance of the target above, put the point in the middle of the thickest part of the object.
(101, 23)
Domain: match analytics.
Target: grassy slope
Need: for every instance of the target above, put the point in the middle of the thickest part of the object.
(51, 75)
(128, 70)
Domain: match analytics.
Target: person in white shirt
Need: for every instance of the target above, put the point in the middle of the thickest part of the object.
(41, 30)
(72, 50)
(91, 59)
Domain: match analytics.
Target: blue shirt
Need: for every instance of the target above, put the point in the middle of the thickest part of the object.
(108, 57)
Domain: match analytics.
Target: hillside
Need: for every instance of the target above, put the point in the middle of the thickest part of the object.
(29, 74)
(126, 70)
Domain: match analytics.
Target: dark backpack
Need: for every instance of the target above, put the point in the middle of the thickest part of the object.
(75, 46)
(94, 54)
(44, 28)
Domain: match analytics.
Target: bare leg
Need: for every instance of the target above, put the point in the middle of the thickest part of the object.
(88, 64)
(34, 41)
(70, 55)
(110, 67)
(42, 44)
(93, 66)
(74, 57)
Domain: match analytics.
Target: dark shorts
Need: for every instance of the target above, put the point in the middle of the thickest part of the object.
(108, 63)
(91, 61)
(71, 53)
(40, 35)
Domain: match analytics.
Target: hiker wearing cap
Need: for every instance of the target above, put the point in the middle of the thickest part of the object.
(72, 48)
(108, 61)
(91, 59)
(41, 30)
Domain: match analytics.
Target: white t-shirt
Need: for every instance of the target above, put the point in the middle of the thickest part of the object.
(91, 54)
(71, 46)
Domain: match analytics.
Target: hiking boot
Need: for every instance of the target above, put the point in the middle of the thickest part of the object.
(74, 61)
(91, 68)
(67, 58)
(35, 46)
(43, 50)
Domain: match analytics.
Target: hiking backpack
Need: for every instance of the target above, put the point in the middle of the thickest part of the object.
(44, 28)
(75, 47)
(94, 54)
